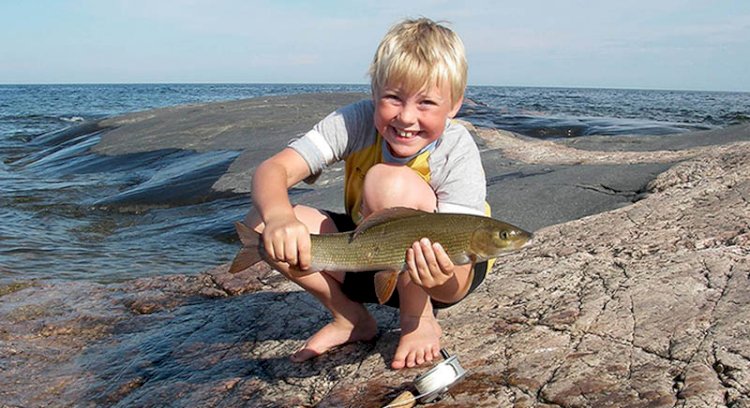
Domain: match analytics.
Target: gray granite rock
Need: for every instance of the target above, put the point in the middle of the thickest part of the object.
(642, 306)
(640, 300)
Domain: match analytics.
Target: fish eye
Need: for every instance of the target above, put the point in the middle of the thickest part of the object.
(504, 235)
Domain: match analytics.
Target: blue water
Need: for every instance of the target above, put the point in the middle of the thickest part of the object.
(49, 227)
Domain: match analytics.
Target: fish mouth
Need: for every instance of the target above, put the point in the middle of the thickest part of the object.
(526, 240)
(529, 241)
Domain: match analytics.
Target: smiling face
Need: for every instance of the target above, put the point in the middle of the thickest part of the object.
(410, 120)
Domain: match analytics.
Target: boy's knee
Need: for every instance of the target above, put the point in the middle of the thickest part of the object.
(388, 185)
(385, 178)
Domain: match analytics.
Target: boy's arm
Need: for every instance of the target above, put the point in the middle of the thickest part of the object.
(285, 238)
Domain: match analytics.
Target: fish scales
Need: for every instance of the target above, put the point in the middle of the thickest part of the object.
(380, 243)
(384, 245)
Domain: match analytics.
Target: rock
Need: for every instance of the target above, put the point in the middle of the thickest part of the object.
(259, 127)
(646, 305)
(639, 302)
(199, 153)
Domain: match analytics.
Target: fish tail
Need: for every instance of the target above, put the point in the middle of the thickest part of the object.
(249, 254)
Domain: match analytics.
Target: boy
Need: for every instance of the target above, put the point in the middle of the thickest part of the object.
(401, 150)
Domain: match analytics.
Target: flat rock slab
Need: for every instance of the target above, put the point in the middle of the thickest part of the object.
(537, 183)
(257, 127)
(234, 125)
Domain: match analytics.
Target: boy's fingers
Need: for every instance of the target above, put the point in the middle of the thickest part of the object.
(290, 253)
(443, 260)
(411, 263)
(425, 262)
(305, 256)
(419, 258)
(429, 255)
(269, 247)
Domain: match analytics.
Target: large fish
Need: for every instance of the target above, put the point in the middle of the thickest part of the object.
(380, 242)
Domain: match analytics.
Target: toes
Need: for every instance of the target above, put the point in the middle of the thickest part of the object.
(419, 357)
(414, 358)
(399, 360)
(410, 359)
(429, 355)
(304, 354)
(397, 364)
(435, 353)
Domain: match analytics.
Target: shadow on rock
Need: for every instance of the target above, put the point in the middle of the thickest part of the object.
(177, 341)
(202, 341)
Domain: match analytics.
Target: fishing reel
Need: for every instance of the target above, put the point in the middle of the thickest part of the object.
(433, 385)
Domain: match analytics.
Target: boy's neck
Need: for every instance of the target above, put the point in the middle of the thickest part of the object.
(388, 156)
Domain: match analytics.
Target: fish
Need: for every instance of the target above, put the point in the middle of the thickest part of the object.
(380, 242)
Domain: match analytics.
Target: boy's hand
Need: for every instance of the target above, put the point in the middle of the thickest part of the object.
(288, 240)
(428, 264)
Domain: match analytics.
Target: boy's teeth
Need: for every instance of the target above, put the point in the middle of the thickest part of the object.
(404, 133)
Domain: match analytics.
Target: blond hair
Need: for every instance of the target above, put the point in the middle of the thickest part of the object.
(418, 53)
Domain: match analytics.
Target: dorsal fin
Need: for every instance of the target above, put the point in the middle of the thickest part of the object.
(388, 214)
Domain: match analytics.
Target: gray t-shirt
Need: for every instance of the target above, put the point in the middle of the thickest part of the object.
(452, 164)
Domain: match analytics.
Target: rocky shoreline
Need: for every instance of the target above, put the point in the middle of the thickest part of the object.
(635, 292)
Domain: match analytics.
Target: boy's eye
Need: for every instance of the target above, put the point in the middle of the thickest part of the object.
(392, 98)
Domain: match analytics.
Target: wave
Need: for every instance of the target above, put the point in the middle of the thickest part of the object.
(37, 116)
(72, 119)
(736, 118)
(543, 126)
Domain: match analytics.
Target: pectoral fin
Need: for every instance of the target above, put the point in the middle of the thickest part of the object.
(385, 284)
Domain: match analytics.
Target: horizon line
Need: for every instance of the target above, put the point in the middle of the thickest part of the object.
(625, 88)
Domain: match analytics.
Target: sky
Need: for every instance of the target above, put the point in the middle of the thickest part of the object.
(654, 44)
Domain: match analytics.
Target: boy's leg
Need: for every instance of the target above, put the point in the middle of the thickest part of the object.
(351, 320)
(389, 186)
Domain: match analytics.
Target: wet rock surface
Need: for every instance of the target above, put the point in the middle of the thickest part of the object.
(258, 127)
(639, 300)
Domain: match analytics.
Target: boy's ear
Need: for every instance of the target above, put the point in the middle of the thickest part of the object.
(454, 111)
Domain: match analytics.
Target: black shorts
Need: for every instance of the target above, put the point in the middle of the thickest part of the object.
(360, 286)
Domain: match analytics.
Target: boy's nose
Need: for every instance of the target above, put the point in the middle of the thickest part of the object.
(408, 114)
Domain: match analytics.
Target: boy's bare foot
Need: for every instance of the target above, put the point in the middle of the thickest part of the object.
(419, 343)
(340, 331)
